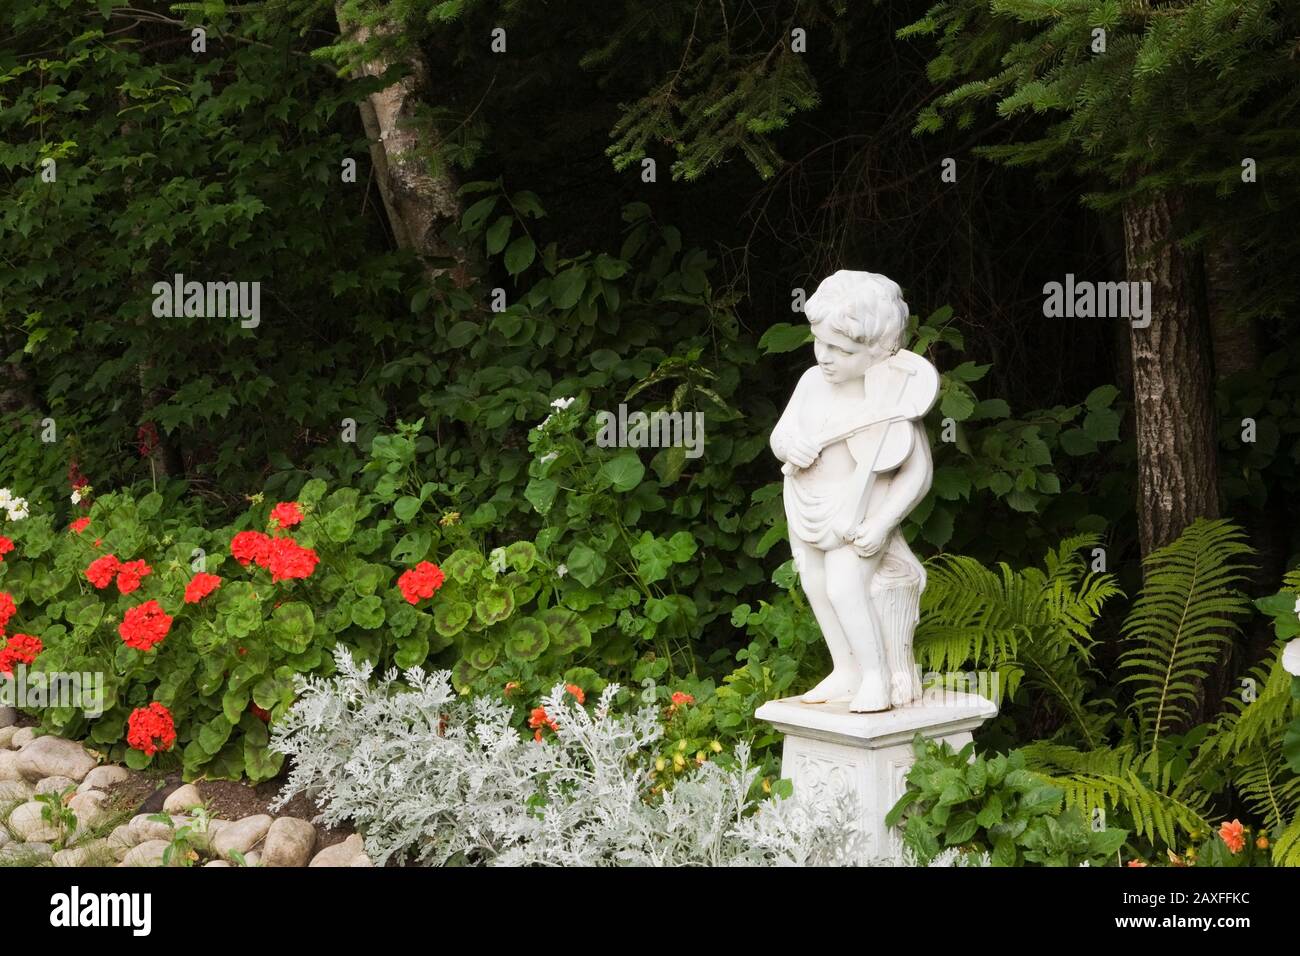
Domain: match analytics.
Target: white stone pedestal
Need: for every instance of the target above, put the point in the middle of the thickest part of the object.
(830, 751)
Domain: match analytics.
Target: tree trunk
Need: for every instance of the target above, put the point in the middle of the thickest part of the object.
(419, 204)
(1173, 386)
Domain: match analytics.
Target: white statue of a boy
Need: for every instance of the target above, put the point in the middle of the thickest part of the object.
(857, 461)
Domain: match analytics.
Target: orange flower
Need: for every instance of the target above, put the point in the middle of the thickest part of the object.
(1233, 836)
(539, 719)
(1262, 842)
(1136, 863)
(680, 699)
(576, 691)
(511, 687)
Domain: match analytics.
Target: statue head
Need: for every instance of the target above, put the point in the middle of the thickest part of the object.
(857, 319)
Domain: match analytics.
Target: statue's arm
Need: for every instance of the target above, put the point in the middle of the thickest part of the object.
(787, 425)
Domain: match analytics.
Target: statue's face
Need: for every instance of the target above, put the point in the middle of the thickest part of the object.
(841, 359)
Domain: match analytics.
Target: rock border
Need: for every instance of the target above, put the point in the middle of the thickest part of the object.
(37, 829)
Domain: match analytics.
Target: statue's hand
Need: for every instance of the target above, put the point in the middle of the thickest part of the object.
(802, 452)
(869, 537)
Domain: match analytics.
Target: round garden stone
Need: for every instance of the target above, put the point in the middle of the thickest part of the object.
(340, 854)
(22, 737)
(121, 840)
(9, 765)
(55, 785)
(144, 829)
(7, 735)
(54, 756)
(361, 860)
(225, 863)
(14, 791)
(91, 808)
(25, 823)
(149, 853)
(182, 799)
(289, 842)
(241, 836)
(26, 854)
(101, 778)
(94, 853)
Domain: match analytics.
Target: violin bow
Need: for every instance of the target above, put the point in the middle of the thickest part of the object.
(849, 432)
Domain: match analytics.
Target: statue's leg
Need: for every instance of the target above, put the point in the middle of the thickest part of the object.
(848, 585)
(844, 678)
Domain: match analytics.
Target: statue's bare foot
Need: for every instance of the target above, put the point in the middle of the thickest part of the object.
(872, 697)
(840, 683)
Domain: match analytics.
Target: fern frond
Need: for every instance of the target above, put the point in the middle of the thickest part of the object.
(1268, 786)
(1034, 621)
(1115, 779)
(1182, 621)
(1286, 848)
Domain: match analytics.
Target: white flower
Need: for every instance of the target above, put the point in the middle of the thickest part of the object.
(1291, 657)
(1297, 606)
(549, 457)
(76, 496)
(562, 570)
(562, 403)
(542, 426)
(6, 496)
(18, 509)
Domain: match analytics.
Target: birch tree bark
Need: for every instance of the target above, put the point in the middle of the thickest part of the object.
(419, 204)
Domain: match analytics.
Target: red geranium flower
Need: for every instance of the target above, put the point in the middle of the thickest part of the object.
(151, 729)
(263, 715)
(80, 525)
(129, 574)
(250, 546)
(576, 691)
(200, 586)
(19, 649)
(144, 626)
(5, 546)
(288, 559)
(679, 698)
(7, 608)
(101, 570)
(286, 514)
(420, 581)
(539, 719)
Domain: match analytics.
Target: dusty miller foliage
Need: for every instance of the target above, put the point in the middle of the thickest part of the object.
(427, 774)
